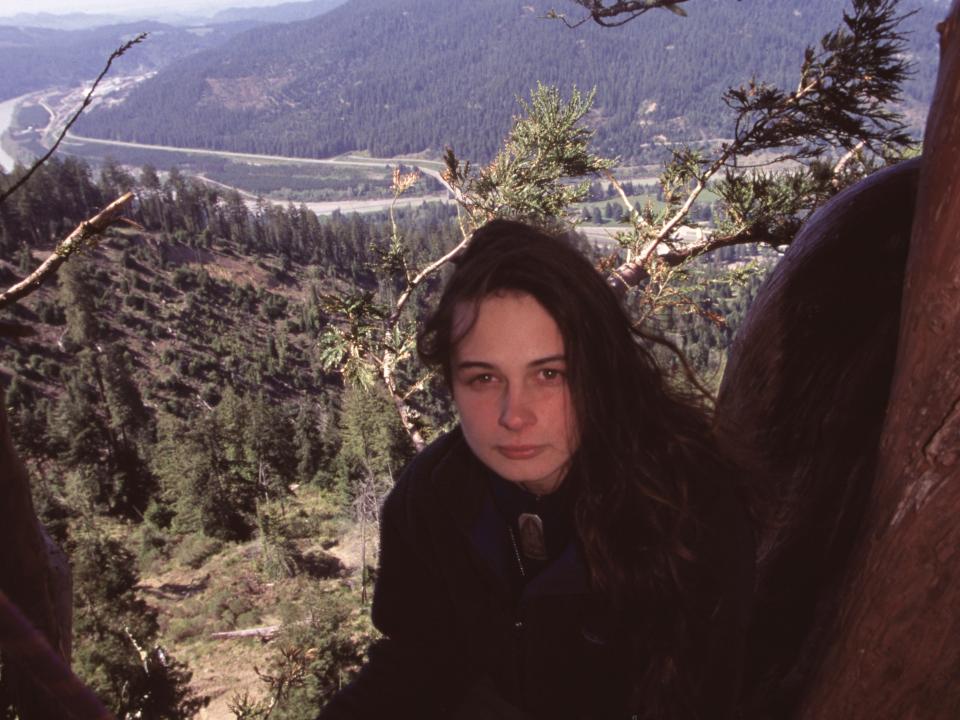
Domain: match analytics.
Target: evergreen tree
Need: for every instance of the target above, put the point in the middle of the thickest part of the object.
(372, 442)
(269, 447)
(308, 439)
(77, 297)
(115, 633)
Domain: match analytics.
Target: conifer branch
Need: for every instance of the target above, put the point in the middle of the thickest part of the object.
(841, 103)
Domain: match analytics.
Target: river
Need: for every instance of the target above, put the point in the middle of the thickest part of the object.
(7, 109)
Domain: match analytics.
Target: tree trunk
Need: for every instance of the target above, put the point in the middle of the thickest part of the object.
(896, 652)
(802, 405)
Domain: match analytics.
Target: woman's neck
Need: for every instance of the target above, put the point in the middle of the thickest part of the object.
(539, 489)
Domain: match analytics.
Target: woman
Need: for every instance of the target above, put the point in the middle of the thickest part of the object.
(575, 548)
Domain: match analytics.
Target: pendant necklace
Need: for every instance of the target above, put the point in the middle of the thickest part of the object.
(532, 544)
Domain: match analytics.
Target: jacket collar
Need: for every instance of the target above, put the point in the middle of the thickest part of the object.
(460, 484)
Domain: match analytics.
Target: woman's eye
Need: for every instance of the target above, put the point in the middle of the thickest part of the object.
(482, 379)
(551, 375)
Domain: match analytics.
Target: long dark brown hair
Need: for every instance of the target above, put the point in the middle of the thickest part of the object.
(641, 446)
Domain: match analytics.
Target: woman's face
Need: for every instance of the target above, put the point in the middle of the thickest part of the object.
(509, 376)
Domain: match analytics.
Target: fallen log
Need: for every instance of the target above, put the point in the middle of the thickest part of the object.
(268, 631)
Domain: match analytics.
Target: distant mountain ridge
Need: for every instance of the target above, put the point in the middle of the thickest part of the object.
(33, 58)
(277, 12)
(40, 50)
(284, 12)
(61, 21)
(401, 76)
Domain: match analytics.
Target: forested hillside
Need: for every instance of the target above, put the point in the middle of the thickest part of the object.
(172, 396)
(402, 76)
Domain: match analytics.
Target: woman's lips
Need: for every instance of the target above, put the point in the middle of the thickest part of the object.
(519, 452)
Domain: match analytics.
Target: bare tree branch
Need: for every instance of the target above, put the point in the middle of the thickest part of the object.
(617, 12)
(423, 275)
(844, 161)
(76, 116)
(688, 371)
(79, 238)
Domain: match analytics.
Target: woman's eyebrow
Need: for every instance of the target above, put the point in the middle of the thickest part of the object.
(467, 364)
(548, 359)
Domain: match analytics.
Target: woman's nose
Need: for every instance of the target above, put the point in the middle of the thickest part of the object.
(516, 412)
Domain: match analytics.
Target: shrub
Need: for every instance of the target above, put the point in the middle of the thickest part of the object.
(195, 549)
(185, 628)
(153, 544)
(279, 556)
(320, 564)
(250, 618)
(182, 279)
(226, 607)
(159, 514)
(314, 659)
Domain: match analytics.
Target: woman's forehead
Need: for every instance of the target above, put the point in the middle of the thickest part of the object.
(505, 327)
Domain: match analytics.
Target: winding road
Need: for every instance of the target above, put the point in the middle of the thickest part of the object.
(427, 167)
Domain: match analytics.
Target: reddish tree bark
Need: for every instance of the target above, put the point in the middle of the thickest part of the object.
(803, 401)
(35, 575)
(896, 652)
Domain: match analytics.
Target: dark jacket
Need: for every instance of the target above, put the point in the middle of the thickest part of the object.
(457, 645)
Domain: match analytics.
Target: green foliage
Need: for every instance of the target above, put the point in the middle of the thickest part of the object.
(372, 441)
(77, 293)
(313, 659)
(348, 346)
(195, 549)
(699, 306)
(766, 205)
(314, 439)
(154, 545)
(213, 470)
(279, 556)
(229, 609)
(182, 629)
(99, 430)
(113, 631)
(547, 145)
(844, 93)
(207, 489)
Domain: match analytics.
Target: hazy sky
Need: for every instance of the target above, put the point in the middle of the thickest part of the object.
(12, 7)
